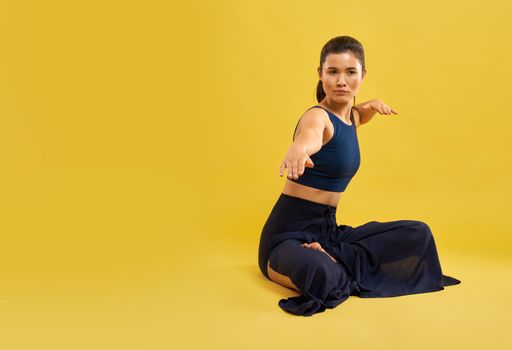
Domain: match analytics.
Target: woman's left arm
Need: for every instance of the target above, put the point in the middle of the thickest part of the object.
(368, 109)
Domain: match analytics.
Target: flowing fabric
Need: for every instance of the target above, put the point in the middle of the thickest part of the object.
(376, 259)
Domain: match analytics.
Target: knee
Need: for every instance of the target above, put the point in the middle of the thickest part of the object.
(420, 226)
(424, 227)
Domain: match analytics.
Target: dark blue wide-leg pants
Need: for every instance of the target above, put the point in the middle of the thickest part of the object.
(376, 259)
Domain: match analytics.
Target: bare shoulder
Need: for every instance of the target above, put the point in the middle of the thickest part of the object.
(357, 117)
(313, 118)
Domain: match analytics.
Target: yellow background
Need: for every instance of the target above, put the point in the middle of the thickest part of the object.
(140, 144)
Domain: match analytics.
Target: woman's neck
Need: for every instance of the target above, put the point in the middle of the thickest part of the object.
(341, 110)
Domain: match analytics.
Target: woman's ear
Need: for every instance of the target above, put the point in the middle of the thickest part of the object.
(319, 71)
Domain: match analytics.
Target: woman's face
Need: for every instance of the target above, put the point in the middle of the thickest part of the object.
(341, 71)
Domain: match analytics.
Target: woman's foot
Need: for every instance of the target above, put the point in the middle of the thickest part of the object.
(317, 246)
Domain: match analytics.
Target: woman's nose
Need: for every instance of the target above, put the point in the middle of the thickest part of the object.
(341, 80)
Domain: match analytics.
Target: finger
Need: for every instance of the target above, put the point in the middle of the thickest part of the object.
(301, 168)
(281, 169)
(294, 170)
(288, 169)
(394, 111)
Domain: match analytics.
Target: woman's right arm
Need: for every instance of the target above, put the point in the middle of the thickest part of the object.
(308, 141)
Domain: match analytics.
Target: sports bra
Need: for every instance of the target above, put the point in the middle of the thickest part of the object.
(337, 161)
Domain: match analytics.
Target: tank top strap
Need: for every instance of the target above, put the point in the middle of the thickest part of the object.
(298, 121)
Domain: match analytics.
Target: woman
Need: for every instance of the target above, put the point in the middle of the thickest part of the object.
(301, 245)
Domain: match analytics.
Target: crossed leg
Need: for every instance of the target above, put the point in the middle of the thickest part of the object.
(285, 280)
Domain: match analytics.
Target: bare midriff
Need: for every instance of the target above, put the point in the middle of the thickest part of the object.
(313, 194)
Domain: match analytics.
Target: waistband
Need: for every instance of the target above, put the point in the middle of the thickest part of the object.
(308, 202)
(327, 212)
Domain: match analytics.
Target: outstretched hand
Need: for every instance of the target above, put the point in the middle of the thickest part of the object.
(295, 160)
(379, 106)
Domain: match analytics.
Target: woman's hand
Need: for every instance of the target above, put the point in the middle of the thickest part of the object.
(377, 106)
(368, 109)
(295, 161)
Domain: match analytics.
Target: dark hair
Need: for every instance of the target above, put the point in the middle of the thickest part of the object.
(339, 44)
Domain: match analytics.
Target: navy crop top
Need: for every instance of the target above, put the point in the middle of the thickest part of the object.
(337, 161)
